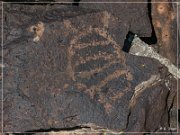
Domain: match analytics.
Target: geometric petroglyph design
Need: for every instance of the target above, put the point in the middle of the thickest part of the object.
(90, 60)
(96, 62)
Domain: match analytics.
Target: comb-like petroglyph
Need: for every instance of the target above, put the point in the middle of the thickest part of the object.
(74, 74)
(97, 62)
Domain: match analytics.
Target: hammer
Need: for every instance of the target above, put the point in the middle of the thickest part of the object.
(135, 46)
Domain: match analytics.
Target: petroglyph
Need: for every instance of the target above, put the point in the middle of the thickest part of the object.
(38, 30)
(105, 19)
(76, 73)
(94, 53)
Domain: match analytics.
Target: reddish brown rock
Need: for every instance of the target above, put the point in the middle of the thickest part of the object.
(164, 17)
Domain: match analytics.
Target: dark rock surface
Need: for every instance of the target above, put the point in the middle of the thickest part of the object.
(134, 15)
(179, 45)
(75, 73)
(1, 67)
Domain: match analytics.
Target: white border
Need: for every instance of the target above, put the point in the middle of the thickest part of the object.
(90, 131)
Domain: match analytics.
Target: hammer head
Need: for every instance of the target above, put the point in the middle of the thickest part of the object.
(135, 46)
(128, 42)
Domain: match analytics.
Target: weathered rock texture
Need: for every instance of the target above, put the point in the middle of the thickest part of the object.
(165, 20)
(164, 17)
(1, 68)
(64, 69)
(134, 15)
(178, 106)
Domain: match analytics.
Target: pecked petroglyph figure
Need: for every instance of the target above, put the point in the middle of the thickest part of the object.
(89, 53)
(74, 68)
